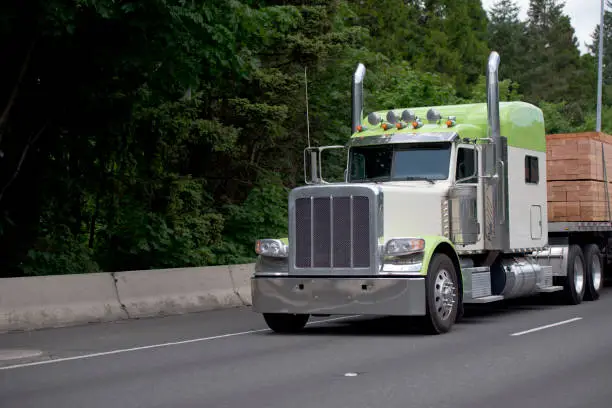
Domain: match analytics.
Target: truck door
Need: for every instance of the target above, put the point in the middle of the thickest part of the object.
(463, 198)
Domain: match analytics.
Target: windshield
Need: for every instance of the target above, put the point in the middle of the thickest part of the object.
(428, 161)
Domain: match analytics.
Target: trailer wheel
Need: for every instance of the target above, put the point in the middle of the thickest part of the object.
(575, 282)
(442, 295)
(286, 323)
(594, 272)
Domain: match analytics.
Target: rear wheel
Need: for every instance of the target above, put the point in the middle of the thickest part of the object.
(575, 282)
(286, 323)
(442, 295)
(594, 272)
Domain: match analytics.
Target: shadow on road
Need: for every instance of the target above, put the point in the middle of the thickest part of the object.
(402, 326)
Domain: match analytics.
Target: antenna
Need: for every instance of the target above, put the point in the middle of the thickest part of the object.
(307, 117)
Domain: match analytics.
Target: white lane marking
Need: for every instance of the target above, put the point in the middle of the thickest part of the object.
(575, 319)
(351, 375)
(153, 346)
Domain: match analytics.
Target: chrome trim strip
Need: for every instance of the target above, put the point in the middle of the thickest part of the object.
(510, 251)
(380, 219)
(469, 251)
(403, 137)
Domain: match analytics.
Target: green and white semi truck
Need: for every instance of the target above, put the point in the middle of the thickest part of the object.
(440, 207)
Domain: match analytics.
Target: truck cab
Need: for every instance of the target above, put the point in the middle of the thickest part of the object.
(417, 175)
(424, 221)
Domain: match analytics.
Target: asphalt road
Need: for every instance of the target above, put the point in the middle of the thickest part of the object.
(228, 359)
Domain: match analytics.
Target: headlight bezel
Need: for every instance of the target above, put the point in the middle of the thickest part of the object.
(398, 247)
(273, 248)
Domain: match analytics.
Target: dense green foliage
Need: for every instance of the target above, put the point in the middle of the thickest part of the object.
(166, 133)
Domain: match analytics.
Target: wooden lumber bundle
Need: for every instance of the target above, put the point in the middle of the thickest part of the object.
(577, 178)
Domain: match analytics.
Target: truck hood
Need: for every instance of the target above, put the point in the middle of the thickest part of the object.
(413, 208)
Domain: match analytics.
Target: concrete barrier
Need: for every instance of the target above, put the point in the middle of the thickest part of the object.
(61, 300)
(241, 279)
(176, 291)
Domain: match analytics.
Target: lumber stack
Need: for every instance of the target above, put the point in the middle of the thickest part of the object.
(575, 176)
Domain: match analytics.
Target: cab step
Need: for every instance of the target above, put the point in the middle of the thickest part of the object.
(485, 299)
(551, 289)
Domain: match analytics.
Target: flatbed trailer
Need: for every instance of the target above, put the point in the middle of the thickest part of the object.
(583, 234)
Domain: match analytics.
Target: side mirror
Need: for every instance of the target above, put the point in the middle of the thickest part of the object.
(475, 168)
(316, 171)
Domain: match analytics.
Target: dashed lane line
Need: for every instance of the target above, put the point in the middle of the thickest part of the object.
(548, 326)
(156, 346)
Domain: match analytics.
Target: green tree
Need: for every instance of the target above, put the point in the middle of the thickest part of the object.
(553, 64)
(455, 41)
(167, 133)
(507, 35)
(593, 47)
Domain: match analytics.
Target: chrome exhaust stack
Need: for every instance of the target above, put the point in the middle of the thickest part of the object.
(357, 97)
(493, 103)
(495, 191)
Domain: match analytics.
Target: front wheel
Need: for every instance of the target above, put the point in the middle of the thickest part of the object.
(285, 323)
(442, 295)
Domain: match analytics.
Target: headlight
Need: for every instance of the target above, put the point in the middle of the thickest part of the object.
(271, 247)
(404, 246)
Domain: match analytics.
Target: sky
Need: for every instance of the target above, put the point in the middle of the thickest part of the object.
(583, 13)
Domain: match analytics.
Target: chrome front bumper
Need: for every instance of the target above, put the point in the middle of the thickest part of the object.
(344, 296)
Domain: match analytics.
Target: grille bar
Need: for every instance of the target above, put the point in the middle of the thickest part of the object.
(332, 232)
(361, 232)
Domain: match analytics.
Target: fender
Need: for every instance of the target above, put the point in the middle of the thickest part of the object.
(435, 244)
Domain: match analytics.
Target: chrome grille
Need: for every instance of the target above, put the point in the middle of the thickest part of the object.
(332, 232)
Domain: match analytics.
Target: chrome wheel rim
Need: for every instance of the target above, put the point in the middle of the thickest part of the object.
(444, 294)
(596, 272)
(578, 275)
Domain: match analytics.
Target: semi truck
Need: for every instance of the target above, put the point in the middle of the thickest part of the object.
(424, 223)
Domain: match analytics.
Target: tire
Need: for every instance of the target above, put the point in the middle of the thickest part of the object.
(286, 323)
(574, 285)
(460, 313)
(441, 285)
(594, 272)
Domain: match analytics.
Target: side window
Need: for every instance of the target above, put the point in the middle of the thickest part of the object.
(371, 162)
(532, 170)
(467, 165)
(358, 166)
